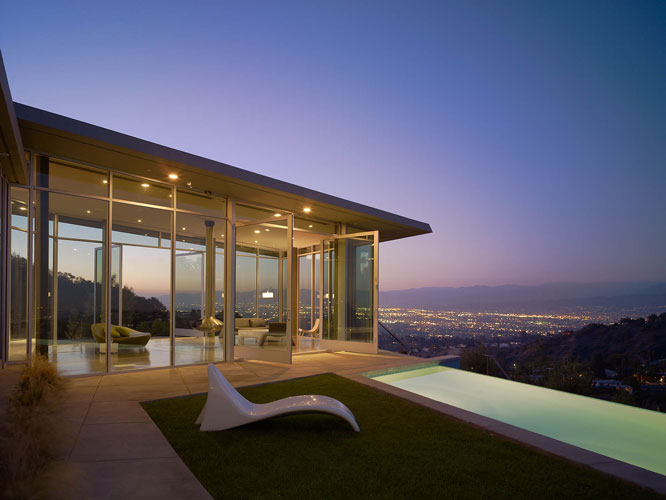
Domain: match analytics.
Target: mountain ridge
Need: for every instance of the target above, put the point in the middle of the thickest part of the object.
(549, 295)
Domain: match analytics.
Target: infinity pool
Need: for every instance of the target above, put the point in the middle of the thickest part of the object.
(629, 434)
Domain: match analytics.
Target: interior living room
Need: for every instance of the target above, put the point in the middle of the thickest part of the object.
(120, 254)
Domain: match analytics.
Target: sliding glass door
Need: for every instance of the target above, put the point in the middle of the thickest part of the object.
(263, 328)
(349, 292)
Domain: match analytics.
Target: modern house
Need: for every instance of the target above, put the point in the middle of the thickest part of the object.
(121, 254)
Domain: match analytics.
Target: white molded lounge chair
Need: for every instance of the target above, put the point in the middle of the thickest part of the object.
(226, 408)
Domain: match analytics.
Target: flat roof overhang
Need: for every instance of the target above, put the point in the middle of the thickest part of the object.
(47, 132)
(12, 157)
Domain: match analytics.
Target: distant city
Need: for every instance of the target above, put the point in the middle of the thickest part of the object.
(427, 332)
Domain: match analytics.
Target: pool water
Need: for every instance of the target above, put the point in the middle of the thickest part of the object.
(626, 433)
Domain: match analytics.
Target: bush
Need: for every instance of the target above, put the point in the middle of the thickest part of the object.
(569, 376)
(31, 434)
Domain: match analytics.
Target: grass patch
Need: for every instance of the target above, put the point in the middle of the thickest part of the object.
(403, 451)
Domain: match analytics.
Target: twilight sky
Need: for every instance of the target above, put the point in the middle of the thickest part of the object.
(530, 135)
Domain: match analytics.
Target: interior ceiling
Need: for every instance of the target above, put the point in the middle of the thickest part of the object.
(269, 235)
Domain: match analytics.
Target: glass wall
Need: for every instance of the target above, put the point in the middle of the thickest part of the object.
(141, 279)
(129, 273)
(268, 294)
(199, 251)
(154, 267)
(305, 291)
(259, 273)
(262, 249)
(246, 282)
(309, 286)
(69, 242)
(18, 274)
(349, 289)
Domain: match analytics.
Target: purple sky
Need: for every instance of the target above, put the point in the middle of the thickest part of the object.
(530, 135)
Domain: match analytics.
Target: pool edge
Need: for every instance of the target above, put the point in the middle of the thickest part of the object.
(602, 463)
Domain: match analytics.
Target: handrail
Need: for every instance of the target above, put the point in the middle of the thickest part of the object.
(406, 349)
(497, 364)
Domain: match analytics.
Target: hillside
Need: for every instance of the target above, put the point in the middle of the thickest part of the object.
(620, 346)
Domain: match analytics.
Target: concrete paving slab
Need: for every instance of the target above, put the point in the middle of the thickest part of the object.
(152, 377)
(139, 392)
(115, 412)
(79, 394)
(145, 479)
(121, 441)
(74, 412)
(85, 381)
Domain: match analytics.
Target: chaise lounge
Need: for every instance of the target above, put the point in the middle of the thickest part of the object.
(225, 408)
(119, 335)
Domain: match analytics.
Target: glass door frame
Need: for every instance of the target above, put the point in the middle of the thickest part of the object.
(349, 345)
(250, 352)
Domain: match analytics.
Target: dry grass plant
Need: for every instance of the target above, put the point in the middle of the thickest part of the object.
(32, 434)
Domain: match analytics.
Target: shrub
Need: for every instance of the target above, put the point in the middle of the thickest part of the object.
(31, 434)
(569, 376)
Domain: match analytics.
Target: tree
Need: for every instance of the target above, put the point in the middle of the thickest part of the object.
(569, 376)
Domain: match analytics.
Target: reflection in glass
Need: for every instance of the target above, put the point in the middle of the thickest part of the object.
(141, 283)
(68, 288)
(261, 251)
(348, 290)
(315, 281)
(269, 288)
(18, 275)
(246, 285)
(67, 176)
(305, 292)
(201, 203)
(142, 191)
(196, 339)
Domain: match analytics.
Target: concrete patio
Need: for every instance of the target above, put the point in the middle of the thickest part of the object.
(116, 449)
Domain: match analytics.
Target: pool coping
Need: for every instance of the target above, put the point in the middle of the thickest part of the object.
(603, 463)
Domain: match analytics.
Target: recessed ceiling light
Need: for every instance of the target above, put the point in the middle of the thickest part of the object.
(307, 210)
(310, 225)
(173, 176)
(184, 228)
(257, 231)
(138, 220)
(145, 185)
(256, 241)
(105, 181)
(266, 229)
(277, 215)
(87, 211)
(22, 208)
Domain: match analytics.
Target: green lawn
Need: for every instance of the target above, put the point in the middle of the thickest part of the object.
(403, 451)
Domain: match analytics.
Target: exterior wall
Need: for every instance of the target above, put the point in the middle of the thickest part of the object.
(127, 225)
